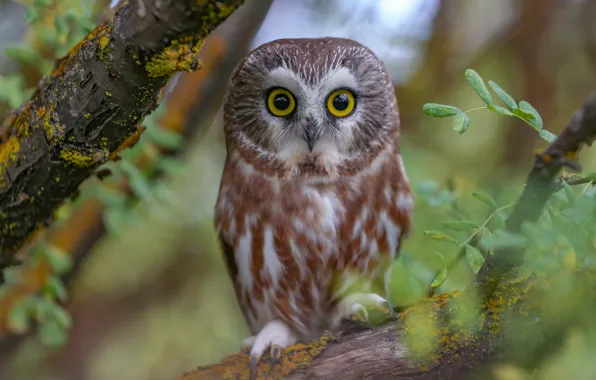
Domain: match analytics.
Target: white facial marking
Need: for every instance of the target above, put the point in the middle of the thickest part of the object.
(332, 146)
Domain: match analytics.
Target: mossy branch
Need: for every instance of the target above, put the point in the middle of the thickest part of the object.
(91, 105)
(518, 326)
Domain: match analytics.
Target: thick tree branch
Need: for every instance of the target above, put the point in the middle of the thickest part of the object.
(387, 352)
(90, 106)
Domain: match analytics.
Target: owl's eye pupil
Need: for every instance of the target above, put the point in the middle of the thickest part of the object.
(341, 102)
(281, 102)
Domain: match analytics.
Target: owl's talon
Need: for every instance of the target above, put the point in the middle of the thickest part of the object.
(359, 314)
(276, 336)
(254, 361)
(356, 307)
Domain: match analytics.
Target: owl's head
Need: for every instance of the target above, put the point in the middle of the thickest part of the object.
(313, 105)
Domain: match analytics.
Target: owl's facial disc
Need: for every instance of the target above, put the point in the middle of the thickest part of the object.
(311, 119)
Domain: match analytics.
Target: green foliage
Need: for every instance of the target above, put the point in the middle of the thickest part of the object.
(561, 240)
(522, 110)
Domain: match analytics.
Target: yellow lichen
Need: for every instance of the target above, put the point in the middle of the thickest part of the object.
(81, 159)
(294, 358)
(9, 152)
(181, 55)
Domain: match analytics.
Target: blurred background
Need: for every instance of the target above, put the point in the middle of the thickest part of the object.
(149, 294)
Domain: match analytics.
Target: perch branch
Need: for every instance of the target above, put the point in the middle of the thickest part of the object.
(90, 107)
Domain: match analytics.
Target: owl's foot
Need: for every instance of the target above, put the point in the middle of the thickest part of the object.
(356, 307)
(276, 336)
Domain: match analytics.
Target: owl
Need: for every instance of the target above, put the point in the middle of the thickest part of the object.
(314, 197)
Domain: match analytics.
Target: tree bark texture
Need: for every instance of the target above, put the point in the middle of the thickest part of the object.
(91, 105)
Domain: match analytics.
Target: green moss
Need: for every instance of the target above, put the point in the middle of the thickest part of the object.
(108, 94)
(87, 116)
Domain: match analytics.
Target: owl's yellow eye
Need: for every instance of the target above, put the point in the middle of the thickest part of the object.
(341, 103)
(280, 102)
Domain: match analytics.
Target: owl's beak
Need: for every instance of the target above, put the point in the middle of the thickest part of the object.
(310, 134)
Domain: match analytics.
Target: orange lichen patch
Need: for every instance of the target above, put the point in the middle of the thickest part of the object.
(181, 55)
(129, 142)
(100, 35)
(294, 358)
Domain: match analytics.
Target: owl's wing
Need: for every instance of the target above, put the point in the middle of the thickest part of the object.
(232, 267)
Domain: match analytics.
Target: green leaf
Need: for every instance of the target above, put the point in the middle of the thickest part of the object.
(537, 121)
(55, 287)
(18, 318)
(500, 110)
(440, 278)
(61, 25)
(498, 221)
(485, 198)
(52, 334)
(61, 316)
(442, 275)
(137, 180)
(40, 308)
(42, 3)
(503, 239)
(505, 97)
(440, 236)
(473, 257)
(440, 110)
(548, 136)
(570, 193)
(428, 187)
(461, 122)
(32, 15)
(23, 54)
(163, 137)
(59, 260)
(111, 196)
(590, 177)
(115, 219)
(460, 225)
(524, 115)
(478, 85)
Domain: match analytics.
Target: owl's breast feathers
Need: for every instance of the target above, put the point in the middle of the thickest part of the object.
(284, 240)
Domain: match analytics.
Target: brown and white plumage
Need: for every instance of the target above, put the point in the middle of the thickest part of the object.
(310, 196)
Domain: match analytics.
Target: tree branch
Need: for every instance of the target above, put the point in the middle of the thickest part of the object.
(387, 352)
(90, 107)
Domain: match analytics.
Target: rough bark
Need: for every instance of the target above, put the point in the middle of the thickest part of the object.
(91, 105)
(507, 303)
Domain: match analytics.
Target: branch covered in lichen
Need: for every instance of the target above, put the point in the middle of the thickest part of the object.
(91, 105)
(443, 337)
